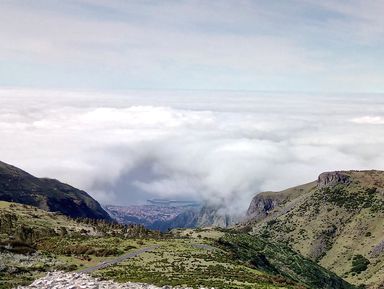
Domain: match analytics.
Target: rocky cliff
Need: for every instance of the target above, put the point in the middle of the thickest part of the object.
(269, 204)
(329, 179)
(216, 216)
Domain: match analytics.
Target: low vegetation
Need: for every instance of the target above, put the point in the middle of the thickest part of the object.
(280, 260)
(359, 264)
(183, 262)
(332, 223)
(32, 245)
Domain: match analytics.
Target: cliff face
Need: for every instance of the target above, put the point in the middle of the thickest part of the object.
(334, 221)
(186, 219)
(267, 204)
(329, 179)
(262, 205)
(18, 186)
(215, 216)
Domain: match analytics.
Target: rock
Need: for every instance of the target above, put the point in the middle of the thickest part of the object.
(261, 206)
(332, 178)
(62, 280)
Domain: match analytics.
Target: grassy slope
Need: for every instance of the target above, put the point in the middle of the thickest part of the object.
(75, 245)
(33, 241)
(178, 262)
(279, 259)
(332, 225)
(239, 261)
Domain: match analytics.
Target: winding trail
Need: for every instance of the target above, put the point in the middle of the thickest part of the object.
(118, 259)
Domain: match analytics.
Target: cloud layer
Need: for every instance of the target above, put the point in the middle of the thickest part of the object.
(220, 147)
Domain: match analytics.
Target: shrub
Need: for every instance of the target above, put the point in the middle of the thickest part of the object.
(359, 264)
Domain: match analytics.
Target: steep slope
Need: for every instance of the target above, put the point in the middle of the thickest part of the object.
(337, 221)
(280, 260)
(215, 216)
(47, 194)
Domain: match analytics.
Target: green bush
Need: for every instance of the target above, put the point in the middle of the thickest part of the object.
(359, 264)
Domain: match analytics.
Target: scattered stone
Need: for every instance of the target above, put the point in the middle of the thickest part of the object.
(62, 280)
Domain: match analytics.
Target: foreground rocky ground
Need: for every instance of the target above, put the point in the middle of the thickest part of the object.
(61, 280)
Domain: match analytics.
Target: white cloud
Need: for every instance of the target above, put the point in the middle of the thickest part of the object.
(369, 120)
(219, 147)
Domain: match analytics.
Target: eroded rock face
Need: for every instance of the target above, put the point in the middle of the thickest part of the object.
(211, 216)
(332, 178)
(61, 280)
(261, 206)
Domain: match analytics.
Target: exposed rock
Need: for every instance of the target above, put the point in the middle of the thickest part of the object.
(329, 179)
(378, 249)
(267, 204)
(156, 217)
(211, 216)
(61, 280)
(261, 205)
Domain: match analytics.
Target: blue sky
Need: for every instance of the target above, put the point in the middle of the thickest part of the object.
(298, 45)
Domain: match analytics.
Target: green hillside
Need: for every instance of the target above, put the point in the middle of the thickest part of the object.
(337, 221)
(34, 241)
(47, 194)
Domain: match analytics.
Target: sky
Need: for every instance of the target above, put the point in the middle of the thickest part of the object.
(207, 100)
(298, 45)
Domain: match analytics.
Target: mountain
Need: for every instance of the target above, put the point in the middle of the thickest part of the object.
(164, 217)
(33, 241)
(337, 221)
(159, 216)
(215, 216)
(51, 195)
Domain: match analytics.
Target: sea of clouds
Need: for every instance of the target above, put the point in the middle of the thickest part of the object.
(219, 147)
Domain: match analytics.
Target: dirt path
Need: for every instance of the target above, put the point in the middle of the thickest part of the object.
(204, 247)
(118, 259)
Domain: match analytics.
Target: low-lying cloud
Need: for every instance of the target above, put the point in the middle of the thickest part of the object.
(220, 147)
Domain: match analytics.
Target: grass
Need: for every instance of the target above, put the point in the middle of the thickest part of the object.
(178, 262)
(280, 260)
(333, 224)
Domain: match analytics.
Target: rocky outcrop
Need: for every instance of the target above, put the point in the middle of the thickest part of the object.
(61, 280)
(215, 216)
(329, 179)
(51, 195)
(186, 219)
(261, 205)
(270, 204)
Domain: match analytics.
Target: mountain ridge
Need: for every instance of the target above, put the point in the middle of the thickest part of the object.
(52, 195)
(337, 221)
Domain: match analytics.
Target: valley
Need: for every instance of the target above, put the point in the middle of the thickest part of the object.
(175, 258)
(326, 234)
